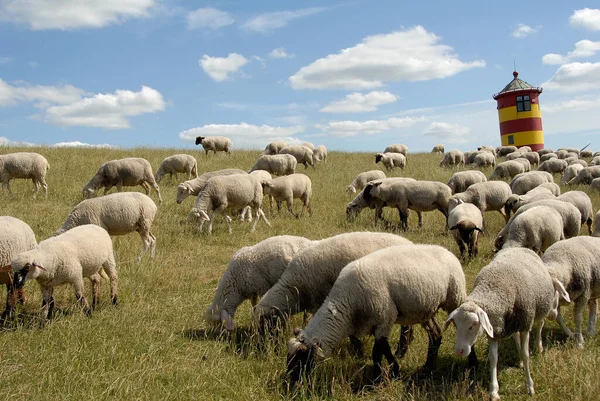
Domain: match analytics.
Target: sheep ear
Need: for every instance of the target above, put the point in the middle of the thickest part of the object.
(38, 265)
(450, 319)
(227, 320)
(453, 228)
(560, 288)
(484, 321)
(478, 229)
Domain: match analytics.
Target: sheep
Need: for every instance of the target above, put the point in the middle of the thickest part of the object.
(361, 180)
(505, 150)
(575, 262)
(548, 156)
(514, 202)
(526, 164)
(490, 195)
(524, 149)
(405, 284)
(397, 148)
(129, 172)
(512, 294)
(453, 158)
(24, 165)
(595, 161)
(471, 155)
(359, 202)
(544, 151)
(439, 148)
(67, 258)
(180, 163)
(249, 275)
(280, 164)
(274, 147)
(561, 153)
(214, 143)
(581, 201)
(586, 154)
(596, 232)
(466, 222)
(231, 191)
(570, 160)
(552, 187)
(595, 184)
(119, 214)
(537, 228)
(533, 157)
(571, 172)
(487, 149)
(586, 175)
(484, 159)
(303, 154)
(309, 145)
(507, 169)
(578, 161)
(553, 166)
(391, 160)
(460, 181)
(571, 150)
(288, 188)
(515, 155)
(192, 187)
(320, 154)
(525, 182)
(15, 237)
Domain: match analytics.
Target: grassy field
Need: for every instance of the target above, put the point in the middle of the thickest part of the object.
(154, 346)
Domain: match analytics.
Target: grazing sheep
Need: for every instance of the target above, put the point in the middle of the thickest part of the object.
(544, 151)
(505, 150)
(181, 163)
(391, 160)
(460, 181)
(127, 172)
(397, 148)
(119, 214)
(303, 154)
(579, 161)
(512, 295)
(484, 159)
(471, 155)
(595, 184)
(359, 202)
(524, 148)
(596, 232)
(553, 166)
(561, 153)
(486, 148)
(192, 187)
(320, 154)
(453, 158)
(548, 156)
(525, 182)
(261, 175)
(552, 187)
(466, 222)
(595, 161)
(288, 188)
(404, 284)
(439, 148)
(533, 157)
(536, 228)
(361, 180)
(214, 143)
(575, 262)
(571, 172)
(309, 145)
(581, 201)
(526, 164)
(67, 258)
(571, 150)
(514, 202)
(507, 169)
(250, 273)
(231, 191)
(586, 175)
(515, 155)
(24, 165)
(487, 196)
(273, 148)
(276, 164)
(588, 154)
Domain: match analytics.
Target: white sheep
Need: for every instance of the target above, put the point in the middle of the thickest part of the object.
(24, 165)
(180, 163)
(515, 155)
(524, 148)
(128, 172)
(250, 273)
(461, 180)
(526, 164)
(120, 213)
(588, 154)
(439, 148)
(571, 172)
(391, 160)
(596, 232)
(487, 196)
(361, 180)
(571, 150)
(525, 182)
(274, 147)
(561, 153)
(471, 155)
(595, 184)
(511, 296)
(487, 148)
(507, 169)
(505, 150)
(578, 161)
(466, 222)
(309, 145)
(548, 156)
(533, 157)
(354, 207)
(281, 164)
(320, 154)
(514, 202)
(192, 187)
(397, 148)
(453, 158)
(552, 187)
(553, 166)
(586, 175)
(288, 188)
(405, 284)
(303, 154)
(484, 159)
(537, 228)
(67, 258)
(544, 151)
(214, 143)
(581, 201)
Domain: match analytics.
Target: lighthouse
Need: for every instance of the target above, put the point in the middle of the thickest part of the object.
(519, 114)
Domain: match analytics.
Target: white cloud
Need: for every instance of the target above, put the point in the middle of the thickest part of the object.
(452, 133)
(219, 68)
(369, 127)
(106, 110)
(410, 55)
(73, 14)
(4, 141)
(280, 53)
(208, 18)
(360, 103)
(583, 48)
(5, 60)
(78, 144)
(269, 21)
(523, 30)
(586, 18)
(41, 96)
(575, 77)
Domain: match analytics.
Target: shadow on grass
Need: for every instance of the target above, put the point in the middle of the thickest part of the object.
(243, 341)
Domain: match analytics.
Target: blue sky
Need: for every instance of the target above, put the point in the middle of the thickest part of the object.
(353, 76)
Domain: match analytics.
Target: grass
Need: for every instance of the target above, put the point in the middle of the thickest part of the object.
(154, 346)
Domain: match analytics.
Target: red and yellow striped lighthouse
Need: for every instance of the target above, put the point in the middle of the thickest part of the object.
(519, 114)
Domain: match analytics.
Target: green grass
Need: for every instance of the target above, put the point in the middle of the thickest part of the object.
(153, 345)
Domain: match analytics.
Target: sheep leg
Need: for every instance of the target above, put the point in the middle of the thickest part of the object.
(11, 302)
(562, 324)
(406, 337)
(525, 359)
(290, 207)
(593, 308)
(381, 348)
(503, 213)
(259, 214)
(110, 268)
(435, 340)
(146, 187)
(96, 280)
(78, 285)
(6, 184)
(493, 360)
(157, 189)
(357, 346)
(147, 242)
(42, 182)
(589, 224)
(403, 219)
(47, 302)
(212, 218)
(538, 337)
(579, 307)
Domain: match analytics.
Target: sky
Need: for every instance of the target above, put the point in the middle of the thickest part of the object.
(356, 75)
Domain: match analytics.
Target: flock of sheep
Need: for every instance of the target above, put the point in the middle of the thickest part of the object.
(355, 283)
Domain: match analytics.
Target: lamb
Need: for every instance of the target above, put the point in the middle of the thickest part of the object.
(548, 156)
(192, 187)
(466, 222)
(67, 258)
(119, 214)
(361, 180)
(536, 228)
(505, 150)
(575, 262)
(544, 151)
(24, 165)
(180, 163)
(553, 166)
(128, 172)
(357, 204)
(595, 184)
(303, 154)
(583, 203)
(571, 172)
(223, 192)
(274, 147)
(397, 148)
(525, 182)
(320, 154)
(484, 159)
(391, 160)
(586, 175)
(460, 181)
(439, 148)
(596, 232)
(512, 295)
(507, 169)
(404, 284)
(281, 164)
(288, 188)
(514, 202)
(490, 195)
(249, 275)
(214, 143)
(453, 158)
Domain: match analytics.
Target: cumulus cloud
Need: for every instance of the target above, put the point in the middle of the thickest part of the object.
(42, 96)
(208, 18)
(586, 18)
(264, 23)
(244, 135)
(78, 144)
(73, 14)
(4, 141)
(409, 55)
(109, 111)
(369, 127)
(523, 30)
(452, 133)
(583, 48)
(220, 68)
(360, 103)
(280, 53)
(575, 77)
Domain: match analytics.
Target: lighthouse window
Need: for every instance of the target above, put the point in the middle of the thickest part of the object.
(523, 103)
(511, 140)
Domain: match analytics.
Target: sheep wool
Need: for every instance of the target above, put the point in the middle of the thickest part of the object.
(214, 144)
(288, 188)
(461, 180)
(192, 187)
(24, 165)
(361, 180)
(180, 163)
(280, 164)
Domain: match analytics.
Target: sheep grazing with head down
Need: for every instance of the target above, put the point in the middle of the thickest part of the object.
(595, 184)
(553, 166)
(274, 147)
(484, 159)
(214, 144)
(596, 232)
(391, 160)
(320, 154)
(354, 207)
(525, 182)
(505, 150)
(514, 202)
(24, 165)
(288, 188)
(303, 154)
(361, 180)
(461, 180)
(180, 163)
(581, 201)
(586, 175)
(507, 169)
(276, 164)
(397, 148)
(466, 222)
(453, 158)
(571, 172)
(439, 148)
(487, 196)
(192, 187)
(536, 228)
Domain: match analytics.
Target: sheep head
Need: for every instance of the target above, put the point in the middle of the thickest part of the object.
(470, 321)
(301, 356)
(199, 139)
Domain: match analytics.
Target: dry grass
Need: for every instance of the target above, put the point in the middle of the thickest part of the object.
(153, 346)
